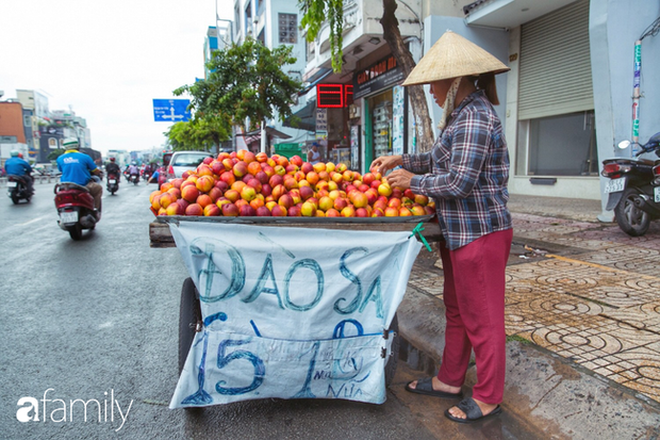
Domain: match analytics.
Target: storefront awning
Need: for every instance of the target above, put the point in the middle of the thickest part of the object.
(306, 117)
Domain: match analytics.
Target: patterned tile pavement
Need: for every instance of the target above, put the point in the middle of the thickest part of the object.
(592, 296)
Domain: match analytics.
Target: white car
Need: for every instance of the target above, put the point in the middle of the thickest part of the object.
(183, 161)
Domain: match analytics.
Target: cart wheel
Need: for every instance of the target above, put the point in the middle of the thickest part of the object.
(190, 314)
(390, 366)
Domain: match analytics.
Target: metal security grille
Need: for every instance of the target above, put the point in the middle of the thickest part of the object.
(555, 65)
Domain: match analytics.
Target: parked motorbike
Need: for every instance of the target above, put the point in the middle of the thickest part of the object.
(135, 178)
(75, 207)
(112, 183)
(17, 189)
(631, 191)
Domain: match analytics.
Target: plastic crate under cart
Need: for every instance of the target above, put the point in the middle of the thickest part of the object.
(292, 308)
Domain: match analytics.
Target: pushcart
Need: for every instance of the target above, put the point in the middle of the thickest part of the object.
(191, 319)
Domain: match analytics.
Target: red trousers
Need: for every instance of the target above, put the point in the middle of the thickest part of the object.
(474, 299)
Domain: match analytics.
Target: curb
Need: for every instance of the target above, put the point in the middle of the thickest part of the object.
(543, 390)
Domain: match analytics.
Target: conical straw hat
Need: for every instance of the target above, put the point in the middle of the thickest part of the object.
(453, 56)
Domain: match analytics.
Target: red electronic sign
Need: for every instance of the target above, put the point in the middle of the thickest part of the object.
(348, 94)
(329, 95)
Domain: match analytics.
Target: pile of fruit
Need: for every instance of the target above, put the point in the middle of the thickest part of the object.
(242, 183)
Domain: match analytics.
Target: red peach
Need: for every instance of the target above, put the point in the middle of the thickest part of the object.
(278, 211)
(232, 195)
(229, 210)
(212, 210)
(308, 210)
(247, 211)
(240, 169)
(306, 167)
(189, 193)
(262, 211)
(348, 211)
(205, 183)
(175, 209)
(194, 209)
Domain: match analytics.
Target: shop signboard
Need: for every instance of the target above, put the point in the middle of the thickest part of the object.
(355, 147)
(384, 73)
(321, 123)
(398, 98)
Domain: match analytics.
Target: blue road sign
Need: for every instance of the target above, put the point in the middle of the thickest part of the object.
(171, 110)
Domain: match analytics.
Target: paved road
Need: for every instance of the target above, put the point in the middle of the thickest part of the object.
(97, 319)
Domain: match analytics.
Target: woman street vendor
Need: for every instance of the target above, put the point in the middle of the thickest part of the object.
(466, 173)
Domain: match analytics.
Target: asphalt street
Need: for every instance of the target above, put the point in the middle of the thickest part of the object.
(98, 319)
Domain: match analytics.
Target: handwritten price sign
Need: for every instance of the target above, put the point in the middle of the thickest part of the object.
(290, 312)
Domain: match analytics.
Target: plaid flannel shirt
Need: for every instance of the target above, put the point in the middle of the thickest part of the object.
(466, 173)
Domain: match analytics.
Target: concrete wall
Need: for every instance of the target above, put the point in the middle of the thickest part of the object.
(494, 41)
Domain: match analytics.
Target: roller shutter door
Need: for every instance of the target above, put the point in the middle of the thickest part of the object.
(555, 64)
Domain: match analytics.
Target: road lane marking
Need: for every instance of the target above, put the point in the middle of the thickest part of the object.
(31, 221)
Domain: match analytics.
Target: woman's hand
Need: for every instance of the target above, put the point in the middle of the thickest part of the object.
(384, 163)
(400, 178)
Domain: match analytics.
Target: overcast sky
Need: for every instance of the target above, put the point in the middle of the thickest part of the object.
(106, 60)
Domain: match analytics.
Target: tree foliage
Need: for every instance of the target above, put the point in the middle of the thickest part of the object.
(245, 81)
(317, 12)
(199, 133)
(54, 154)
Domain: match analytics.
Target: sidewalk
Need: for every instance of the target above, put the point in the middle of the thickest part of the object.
(582, 318)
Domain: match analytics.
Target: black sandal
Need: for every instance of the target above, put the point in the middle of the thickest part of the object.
(472, 411)
(425, 386)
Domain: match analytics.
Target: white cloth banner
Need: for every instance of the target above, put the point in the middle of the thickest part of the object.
(290, 312)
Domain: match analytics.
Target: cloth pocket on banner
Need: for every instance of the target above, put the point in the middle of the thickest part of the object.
(230, 367)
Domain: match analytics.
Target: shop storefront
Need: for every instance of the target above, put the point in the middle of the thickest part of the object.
(332, 132)
(383, 105)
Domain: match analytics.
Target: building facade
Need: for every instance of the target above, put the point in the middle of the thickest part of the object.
(565, 103)
(570, 88)
(273, 23)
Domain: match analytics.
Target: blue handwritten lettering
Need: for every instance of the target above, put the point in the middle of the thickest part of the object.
(200, 397)
(223, 361)
(348, 393)
(237, 271)
(306, 263)
(305, 392)
(350, 276)
(374, 294)
(339, 328)
(265, 275)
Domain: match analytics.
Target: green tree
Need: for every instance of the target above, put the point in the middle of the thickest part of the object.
(246, 82)
(200, 133)
(317, 12)
(54, 154)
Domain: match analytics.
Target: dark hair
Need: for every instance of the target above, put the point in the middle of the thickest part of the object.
(486, 82)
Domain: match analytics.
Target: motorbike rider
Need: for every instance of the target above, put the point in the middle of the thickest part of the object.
(133, 170)
(154, 177)
(19, 167)
(77, 167)
(112, 168)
